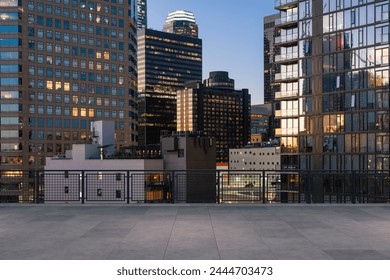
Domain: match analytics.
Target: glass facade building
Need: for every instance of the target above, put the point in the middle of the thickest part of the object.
(165, 62)
(181, 23)
(261, 131)
(64, 63)
(142, 14)
(334, 84)
(216, 109)
(270, 51)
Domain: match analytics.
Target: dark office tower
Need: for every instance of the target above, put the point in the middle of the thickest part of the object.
(181, 23)
(142, 14)
(64, 63)
(270, 51)
(334, 84)
(271, 87)
(261, 132)
(165, 62)
(219, 80)
(216, 111)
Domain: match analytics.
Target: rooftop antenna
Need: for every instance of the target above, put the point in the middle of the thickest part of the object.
(102, 150)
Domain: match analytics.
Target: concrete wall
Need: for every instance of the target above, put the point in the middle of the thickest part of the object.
(264, 158)
(104, 180)
(188, 153)
(195, 155)
(106, 164)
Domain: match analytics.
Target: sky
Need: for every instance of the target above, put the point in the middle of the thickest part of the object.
(232, 34)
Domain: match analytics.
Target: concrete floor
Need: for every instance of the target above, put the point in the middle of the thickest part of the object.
(297, 232)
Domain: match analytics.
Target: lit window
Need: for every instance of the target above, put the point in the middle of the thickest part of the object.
(75, 112)
(58, 85)
(49, 84)
(91, 112)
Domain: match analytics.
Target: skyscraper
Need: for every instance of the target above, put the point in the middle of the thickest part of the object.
(216, 109)
(261, 132)
(165, 62)
(270, 70)
(142, 14)
(270, 51)
(334, 96)
(64, 63)
(181, 23)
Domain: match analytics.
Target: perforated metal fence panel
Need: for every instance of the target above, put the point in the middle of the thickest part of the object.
(62, 186)
(104, 186)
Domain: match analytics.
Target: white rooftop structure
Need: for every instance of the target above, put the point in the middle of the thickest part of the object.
(181, 15)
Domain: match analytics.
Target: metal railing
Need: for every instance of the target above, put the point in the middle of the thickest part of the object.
(286, 94)
(286, 57)
(286, 38)
(197, 186)
(279, 3)
(286, 76)
(286, 19)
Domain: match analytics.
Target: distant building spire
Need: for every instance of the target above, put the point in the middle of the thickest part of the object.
(181, 23)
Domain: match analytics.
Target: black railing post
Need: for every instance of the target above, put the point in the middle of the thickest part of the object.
(263, 185)
(173, 187)
(36, 183)
(82, 187)
(128, 186)
(353, 187)
(218, 186)
(308, 188)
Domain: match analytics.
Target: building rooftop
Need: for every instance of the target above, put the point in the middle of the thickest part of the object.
(181, 15)
(190, 232)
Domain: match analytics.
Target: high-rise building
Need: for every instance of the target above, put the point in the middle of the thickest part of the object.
(142, 14)
(165, 62)
(217, 110)
(219, 80)
(261, 130)
(181, 23)
(270, 51)
(64, 63)
(334, 77)
(270, 69)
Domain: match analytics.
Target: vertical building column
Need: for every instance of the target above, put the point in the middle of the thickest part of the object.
(317, 117)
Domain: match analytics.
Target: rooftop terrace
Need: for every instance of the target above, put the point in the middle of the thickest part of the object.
(166, 231)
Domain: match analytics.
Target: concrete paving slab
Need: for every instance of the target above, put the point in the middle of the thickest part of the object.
(295, 248)
(328, 238)
(356, 255)
(192, 231)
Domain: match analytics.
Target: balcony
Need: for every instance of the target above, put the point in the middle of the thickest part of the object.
(286, 76)
(286, 57)
(283, 132)
(286, 39)
(287, 20)
(285, 4)
(286, 94)
(287, 114)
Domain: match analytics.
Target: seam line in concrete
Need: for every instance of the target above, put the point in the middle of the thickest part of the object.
(170, 235)
(259, 236)
(215, 238)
